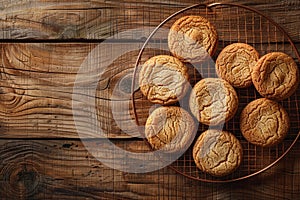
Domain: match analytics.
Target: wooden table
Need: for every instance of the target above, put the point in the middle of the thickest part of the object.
(41, 155)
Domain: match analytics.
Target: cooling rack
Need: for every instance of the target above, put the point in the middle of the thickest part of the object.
(234, 23)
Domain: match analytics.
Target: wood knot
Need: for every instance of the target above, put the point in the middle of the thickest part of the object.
(125, 84)
(22, 180)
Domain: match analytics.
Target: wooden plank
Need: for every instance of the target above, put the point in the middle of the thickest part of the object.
(40, 19)
(63, 169)
(37, 87)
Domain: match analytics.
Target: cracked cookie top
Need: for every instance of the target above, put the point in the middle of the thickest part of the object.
(192, 39)
(217, 152)
(264, 122)
(213, 101)
(163, 79)
(276, 76)
(235, 63)
(170, 128)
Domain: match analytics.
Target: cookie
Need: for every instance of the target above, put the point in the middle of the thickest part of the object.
(276, 76)
(170, 129)
(264, 122)
(213, 101)
(163, 79)
(235, 63)
(192, 39)
(217, 152)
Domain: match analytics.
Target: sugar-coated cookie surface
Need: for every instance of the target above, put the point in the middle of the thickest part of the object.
(163, 79)
(235, 64)
(213, 101)
(264, 122)
(276, 76)
(217, 152)
(192, 39)
(170, 128)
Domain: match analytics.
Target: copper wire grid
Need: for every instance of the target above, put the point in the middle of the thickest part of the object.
(234, 23)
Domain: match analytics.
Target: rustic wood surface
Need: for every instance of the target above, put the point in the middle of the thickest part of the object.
(65, 170)
(44, 43)
(40, 19)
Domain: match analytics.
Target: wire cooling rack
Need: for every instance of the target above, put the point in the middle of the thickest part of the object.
(234, 23)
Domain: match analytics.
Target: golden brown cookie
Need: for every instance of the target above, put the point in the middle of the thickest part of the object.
(217, 152)
(163, 79)
(276, 76)
(192, 39)
(264, 122)
(170, 129)
(235, 63)
(213, 101)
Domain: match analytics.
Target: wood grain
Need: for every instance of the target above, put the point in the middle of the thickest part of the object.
(36, 84)
(40, 19)
(64, 169)
(37, 87)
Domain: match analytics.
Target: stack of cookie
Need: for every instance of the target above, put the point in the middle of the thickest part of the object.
(164, 80)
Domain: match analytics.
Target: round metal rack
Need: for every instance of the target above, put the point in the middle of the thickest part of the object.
(234, 23)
